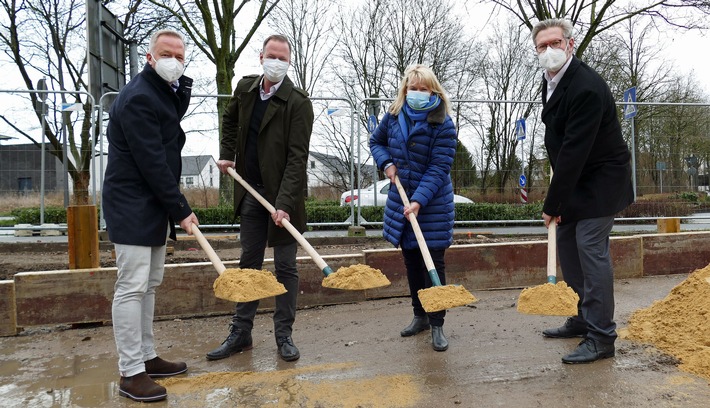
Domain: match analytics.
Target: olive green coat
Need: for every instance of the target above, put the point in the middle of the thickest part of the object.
(282, 146)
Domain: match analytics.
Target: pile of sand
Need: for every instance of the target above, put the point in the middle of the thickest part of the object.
(356, 277)
(246, 285)
(437, 298)
(549, 299)
(679, 324)
(295, 388)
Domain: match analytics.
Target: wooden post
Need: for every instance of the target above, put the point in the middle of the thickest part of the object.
(83, 232)
(668, 225)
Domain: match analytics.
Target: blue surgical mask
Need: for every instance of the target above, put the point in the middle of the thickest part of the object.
(418, 99)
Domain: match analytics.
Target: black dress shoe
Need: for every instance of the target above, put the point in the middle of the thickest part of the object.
(287, 350)
(569, 330)
(418, 325)
(438, 340)
(589, 350)
(237, 341)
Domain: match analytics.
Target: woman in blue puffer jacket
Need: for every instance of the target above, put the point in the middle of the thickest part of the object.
(416, 141)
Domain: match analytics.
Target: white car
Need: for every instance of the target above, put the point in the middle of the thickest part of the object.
(367, 195)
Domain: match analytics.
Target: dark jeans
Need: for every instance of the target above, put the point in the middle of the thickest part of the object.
(255, 220)
(418, 277)
(583, 248)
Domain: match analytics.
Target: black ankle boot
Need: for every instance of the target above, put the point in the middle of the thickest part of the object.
(418, 324)
(438, 340)
(238, 340)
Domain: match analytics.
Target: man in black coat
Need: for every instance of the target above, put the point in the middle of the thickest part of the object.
(142, 201)
(590, 184)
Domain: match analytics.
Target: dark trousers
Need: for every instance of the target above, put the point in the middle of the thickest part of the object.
(418, 278)
(583, 248)
(255, 221)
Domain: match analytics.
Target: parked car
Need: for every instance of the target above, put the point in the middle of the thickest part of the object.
(367, 195)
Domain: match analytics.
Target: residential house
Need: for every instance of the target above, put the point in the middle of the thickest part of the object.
(199, 172)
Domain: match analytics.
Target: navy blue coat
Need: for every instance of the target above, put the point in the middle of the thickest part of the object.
(590, 159)
(423, 163)
(141, 192)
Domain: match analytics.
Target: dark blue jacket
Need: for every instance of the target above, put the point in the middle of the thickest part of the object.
(141, 192)
(424, 165)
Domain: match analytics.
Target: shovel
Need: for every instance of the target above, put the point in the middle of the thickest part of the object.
(362, 277)
(239, 285)
(553, 298)
(437, 297)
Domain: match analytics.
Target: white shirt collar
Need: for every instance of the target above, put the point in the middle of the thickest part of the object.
(553, 81)
(266, 95)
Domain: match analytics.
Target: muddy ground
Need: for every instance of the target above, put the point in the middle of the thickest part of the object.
(352, 356)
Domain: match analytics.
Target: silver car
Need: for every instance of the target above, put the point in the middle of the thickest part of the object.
(367, 195)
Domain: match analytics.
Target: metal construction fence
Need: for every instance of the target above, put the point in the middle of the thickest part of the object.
(498, 162)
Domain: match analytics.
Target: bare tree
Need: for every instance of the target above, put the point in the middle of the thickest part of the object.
(42, 39)
(509, 73)
(595, 17)
(309, 27)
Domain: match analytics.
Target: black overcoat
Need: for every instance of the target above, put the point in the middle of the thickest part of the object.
(282, 145)
(590, 159)
(141, 191)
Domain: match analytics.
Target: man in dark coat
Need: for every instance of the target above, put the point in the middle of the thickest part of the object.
(266, 132)
(142, 202)
(591, 182)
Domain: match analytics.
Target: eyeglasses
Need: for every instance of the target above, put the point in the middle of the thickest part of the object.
(553, 44)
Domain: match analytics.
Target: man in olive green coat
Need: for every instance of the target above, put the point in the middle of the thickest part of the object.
(266, 132)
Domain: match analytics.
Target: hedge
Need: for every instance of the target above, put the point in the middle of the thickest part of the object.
(331, 212)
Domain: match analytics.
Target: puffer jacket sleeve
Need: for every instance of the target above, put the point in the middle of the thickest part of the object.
(438, 169)
(378, 143)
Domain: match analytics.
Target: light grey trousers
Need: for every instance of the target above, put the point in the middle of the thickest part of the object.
(140, 272)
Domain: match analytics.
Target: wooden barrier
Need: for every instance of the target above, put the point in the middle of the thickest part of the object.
(8, 323)
(83, 232)
(85, 295)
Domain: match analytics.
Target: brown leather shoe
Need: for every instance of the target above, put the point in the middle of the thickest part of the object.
(158, 367)
(141, 388)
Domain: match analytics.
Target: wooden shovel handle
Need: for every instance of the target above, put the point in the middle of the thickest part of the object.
(216, 262)
(552, 248)
(552, 252)
(286, 223)
(415, 226)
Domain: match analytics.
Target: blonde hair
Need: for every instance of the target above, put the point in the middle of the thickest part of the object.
(424, 75)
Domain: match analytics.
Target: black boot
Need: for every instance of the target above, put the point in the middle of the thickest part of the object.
(438, 340)
(238, 340)
(418, 324)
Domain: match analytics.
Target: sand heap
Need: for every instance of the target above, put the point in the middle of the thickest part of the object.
(437, 298)
(356, 277)
(298, 387)
(549, 299)
(246, 285)
(680, 323)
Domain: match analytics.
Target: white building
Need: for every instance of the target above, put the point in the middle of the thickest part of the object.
(199, 172)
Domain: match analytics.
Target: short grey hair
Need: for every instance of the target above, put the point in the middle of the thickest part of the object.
(562, 23)
(159, 33)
